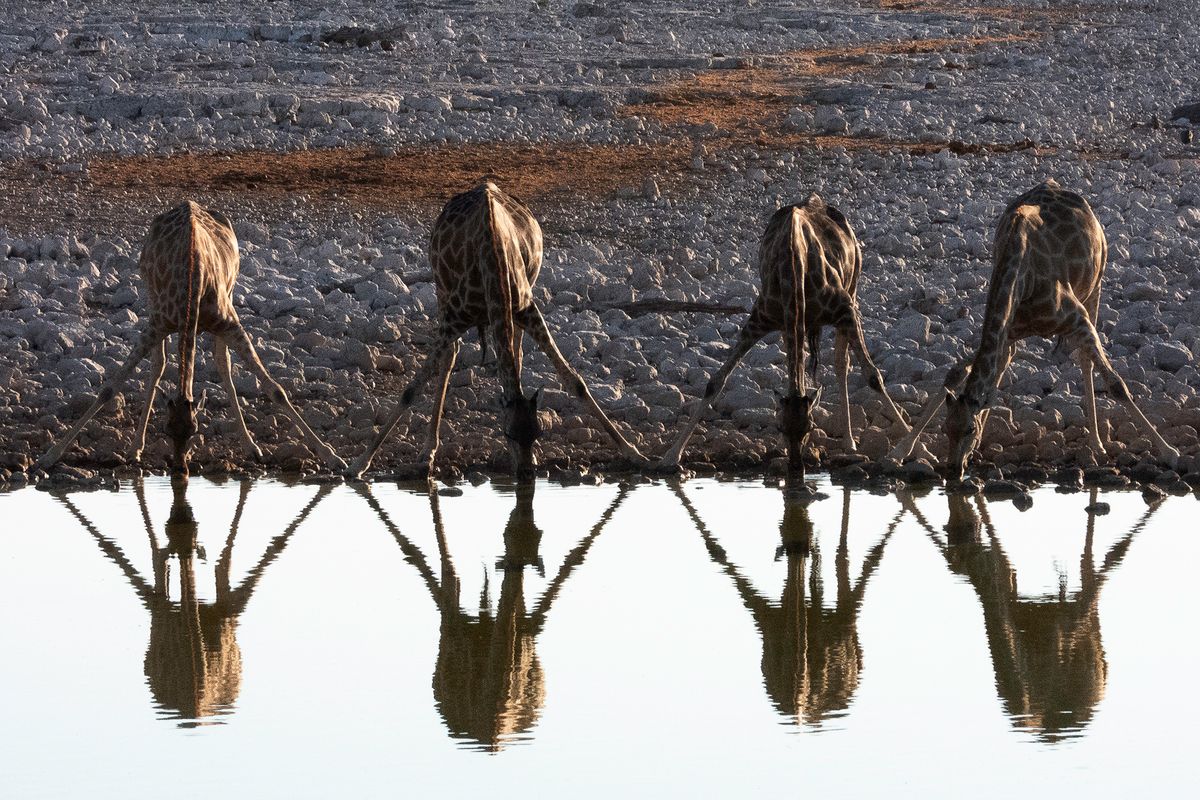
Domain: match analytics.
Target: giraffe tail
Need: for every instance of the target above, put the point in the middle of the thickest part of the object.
(1011, 264)
(194, 289)
(794, 334)
(503, 273)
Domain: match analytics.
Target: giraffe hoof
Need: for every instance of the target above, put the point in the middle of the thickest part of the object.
(635, 457)
(665, 467)
(355, 471)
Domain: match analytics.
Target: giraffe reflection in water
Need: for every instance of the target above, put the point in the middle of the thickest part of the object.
(488, 683)
(812, 659)
(1046, 650)
(193, 663)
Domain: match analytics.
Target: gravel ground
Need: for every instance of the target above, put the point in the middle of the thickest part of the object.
(653, 142)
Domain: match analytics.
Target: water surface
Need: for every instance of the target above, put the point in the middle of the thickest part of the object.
(704, 639)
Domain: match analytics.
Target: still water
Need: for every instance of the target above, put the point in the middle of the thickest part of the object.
(708, 639)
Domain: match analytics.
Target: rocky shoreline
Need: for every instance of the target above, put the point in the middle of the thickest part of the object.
(652, 144)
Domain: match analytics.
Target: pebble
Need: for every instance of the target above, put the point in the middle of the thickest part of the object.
(1003, 488)
(920, 471)
(1152, 494)
(342, 303)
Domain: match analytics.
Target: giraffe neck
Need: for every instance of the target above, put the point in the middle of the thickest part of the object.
(1011, 263)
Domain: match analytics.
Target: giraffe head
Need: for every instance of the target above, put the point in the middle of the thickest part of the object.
(181, 427)
(796, 421)
(963, 430)
(521, 425)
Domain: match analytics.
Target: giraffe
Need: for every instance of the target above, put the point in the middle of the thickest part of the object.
(809, 263)
(486, 250)
(1049, 256)
(189, 262)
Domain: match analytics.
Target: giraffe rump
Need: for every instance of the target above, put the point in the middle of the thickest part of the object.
(503, 274)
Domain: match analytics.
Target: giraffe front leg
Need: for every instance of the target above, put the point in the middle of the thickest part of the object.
(854, 335)
(752, 332)
(158, 367)
(1004, 415)
(532, 322)
(239, 340)
(446, 339)
(221, 356)
(841, 360)
(439, 403)
(1087, 339)
(108, 390)
(955, 378)
(1095, 440)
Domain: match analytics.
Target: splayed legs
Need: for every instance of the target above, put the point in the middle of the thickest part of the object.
(108, 390)
(1085, 338)
(439, 404)
(752, 332)
(238, 340)
(447, 341)
(221, 356)
(157, 368)
(531, 320)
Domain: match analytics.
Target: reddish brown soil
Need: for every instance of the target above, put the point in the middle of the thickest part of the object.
(416, 175)
(734, 100)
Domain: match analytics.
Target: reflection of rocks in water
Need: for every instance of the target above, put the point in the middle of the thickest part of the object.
(488, 683)
(812, 659)
(1046, 651)
(193, 663)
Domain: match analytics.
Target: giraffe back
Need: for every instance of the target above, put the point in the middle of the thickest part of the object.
(816, 238)
(190, 251)
(485, 251)
(1051, 241)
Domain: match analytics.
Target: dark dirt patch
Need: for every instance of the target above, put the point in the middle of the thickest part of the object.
(411, 176)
